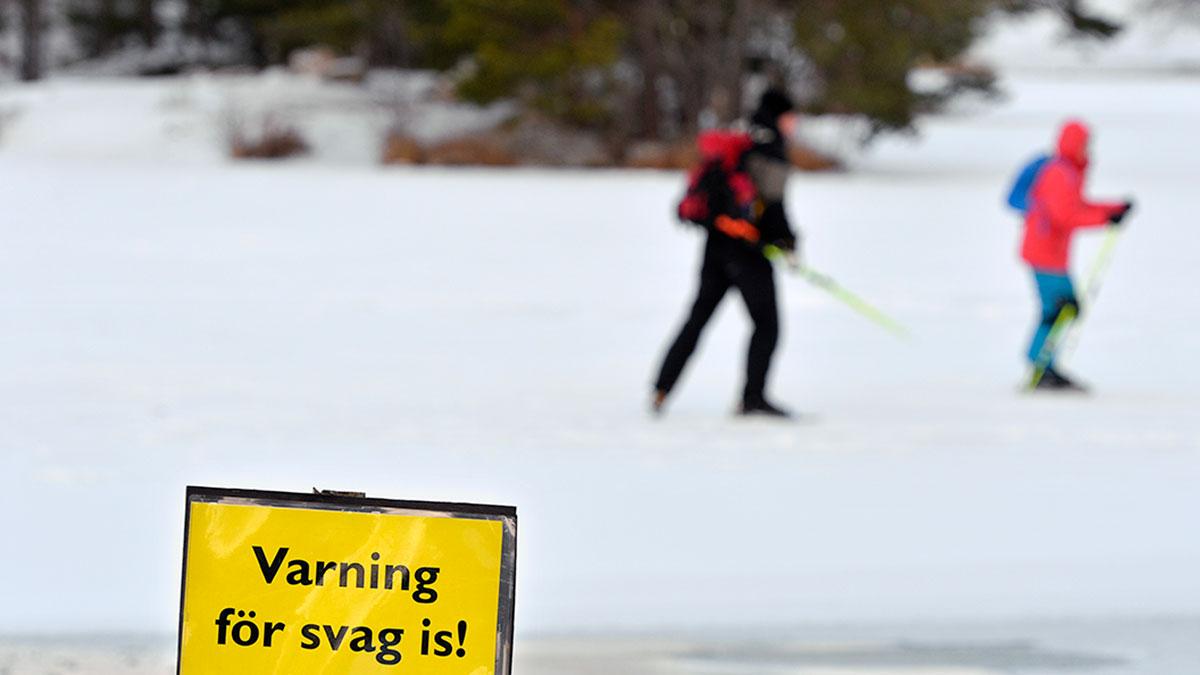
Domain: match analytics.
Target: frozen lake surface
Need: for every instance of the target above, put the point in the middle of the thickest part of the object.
(490, 336)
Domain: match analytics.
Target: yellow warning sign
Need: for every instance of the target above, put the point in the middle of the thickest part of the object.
(294, 584)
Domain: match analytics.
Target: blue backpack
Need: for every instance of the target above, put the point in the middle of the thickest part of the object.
(1019, 195)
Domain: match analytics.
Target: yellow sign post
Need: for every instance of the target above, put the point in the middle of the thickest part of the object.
(291, 584)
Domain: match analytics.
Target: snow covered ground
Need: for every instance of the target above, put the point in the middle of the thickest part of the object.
(469, 335)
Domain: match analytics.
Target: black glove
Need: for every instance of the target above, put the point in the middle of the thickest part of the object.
(1119, 216)
(791, 248)
(788, 244)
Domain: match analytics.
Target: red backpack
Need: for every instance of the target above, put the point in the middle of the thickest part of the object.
(720, 194)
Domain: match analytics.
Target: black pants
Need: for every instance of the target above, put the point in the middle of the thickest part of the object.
(753, 276)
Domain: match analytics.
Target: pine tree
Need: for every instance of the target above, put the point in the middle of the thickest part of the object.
(555, 55)
(863, 53)
(863, 59)
(656, 69)
(269, 30)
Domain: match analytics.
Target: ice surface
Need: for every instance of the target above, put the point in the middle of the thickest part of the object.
(471, 335)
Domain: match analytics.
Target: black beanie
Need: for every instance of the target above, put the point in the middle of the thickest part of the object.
(774, 103)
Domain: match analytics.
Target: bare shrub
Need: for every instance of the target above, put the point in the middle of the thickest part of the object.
(270, 138)
(399, 148)
(484, 149)
(662, 155)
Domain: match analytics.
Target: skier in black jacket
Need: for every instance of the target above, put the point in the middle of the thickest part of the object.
(730, 262)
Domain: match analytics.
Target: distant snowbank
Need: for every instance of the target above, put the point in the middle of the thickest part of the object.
(186, 118)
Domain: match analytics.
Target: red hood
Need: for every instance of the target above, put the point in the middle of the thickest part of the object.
(1073, 143)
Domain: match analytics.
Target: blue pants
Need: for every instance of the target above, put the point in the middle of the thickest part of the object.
(1056, 292)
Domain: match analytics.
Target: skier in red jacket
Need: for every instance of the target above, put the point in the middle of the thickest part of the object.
(1058, 208)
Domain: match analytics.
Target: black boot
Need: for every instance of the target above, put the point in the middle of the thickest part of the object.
(658, 401)
(1052, 380)
(760, 406)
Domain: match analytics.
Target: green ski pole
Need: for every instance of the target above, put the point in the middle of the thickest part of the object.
(1102, 262)
(1061, 331)
(1049, 347)
(842, 294)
